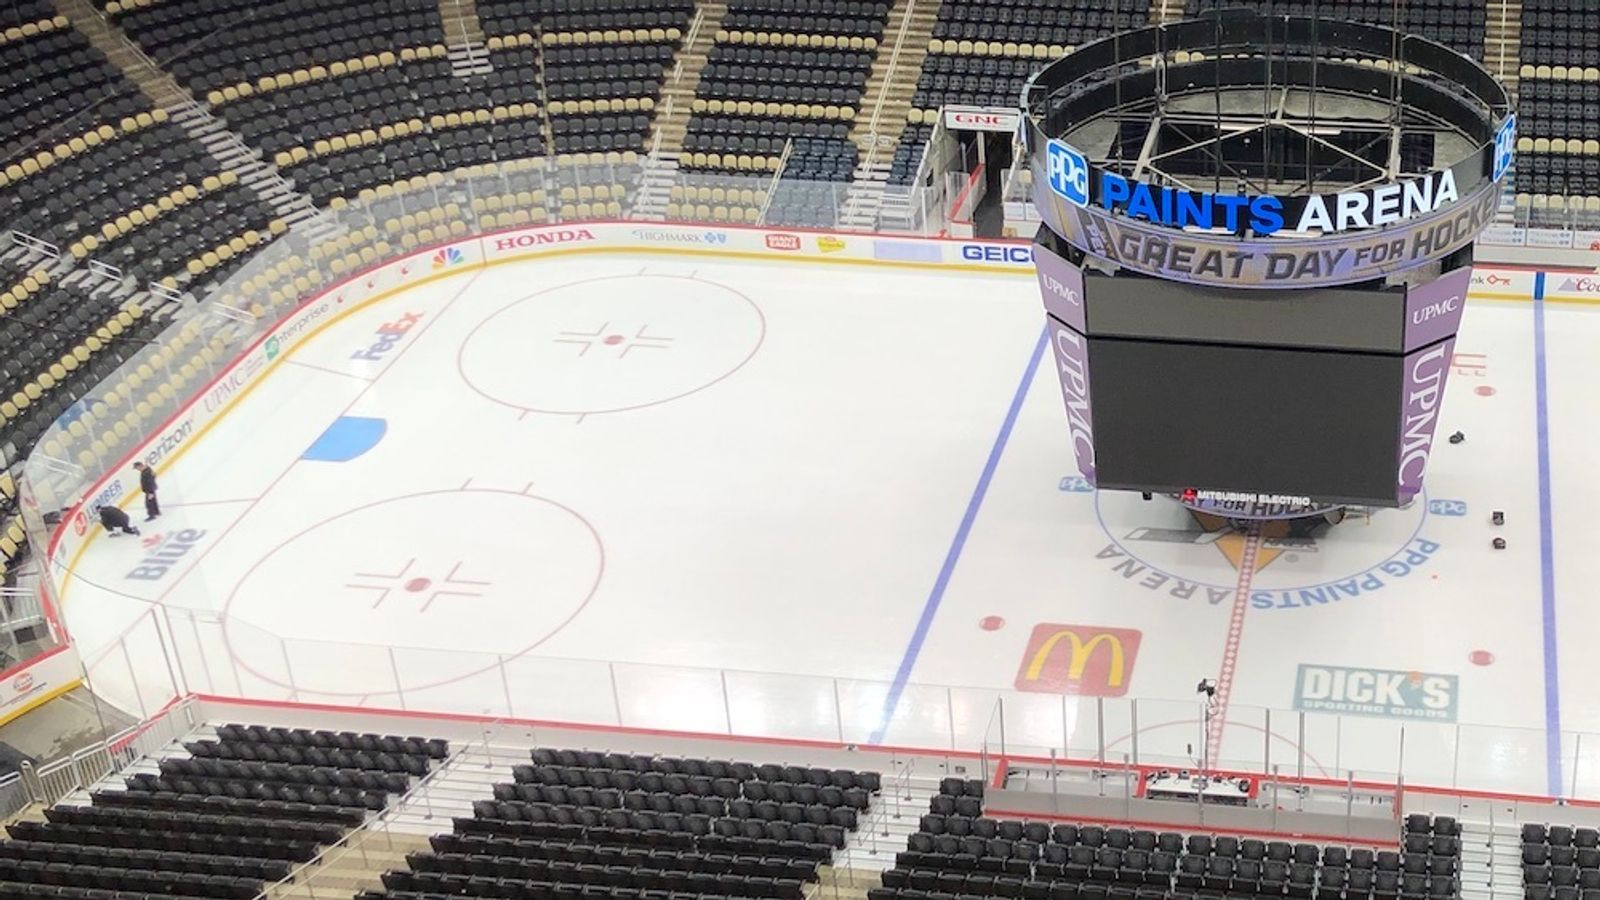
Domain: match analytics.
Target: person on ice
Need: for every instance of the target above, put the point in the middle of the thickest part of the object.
(115, 521)
(147, 483)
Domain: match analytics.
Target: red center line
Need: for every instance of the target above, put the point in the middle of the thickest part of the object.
(1230, 652)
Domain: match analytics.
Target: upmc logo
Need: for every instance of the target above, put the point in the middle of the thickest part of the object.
(1079, 659)
(783, 242)
(1435, 310)
(1069, 173)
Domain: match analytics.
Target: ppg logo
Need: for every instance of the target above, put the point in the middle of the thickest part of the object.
(1069, 173)
(1075, 484)
(1505, 146)
(1447, 508)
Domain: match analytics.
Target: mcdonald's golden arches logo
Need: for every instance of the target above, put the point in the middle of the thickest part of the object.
(1079, 659)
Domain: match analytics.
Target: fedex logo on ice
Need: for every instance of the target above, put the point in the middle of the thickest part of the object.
(389, 334)
(1376, 692)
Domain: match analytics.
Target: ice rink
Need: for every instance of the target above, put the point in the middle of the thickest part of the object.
(839, 502)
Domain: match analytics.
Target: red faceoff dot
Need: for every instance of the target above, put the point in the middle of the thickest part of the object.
(1480, 657)
(416, 585)
(991, 623)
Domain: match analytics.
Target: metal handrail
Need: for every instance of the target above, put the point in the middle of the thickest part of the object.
(772, 186)
(80, 769)
(385, 820)
(883, 89)
(360, 836)
(689, 37)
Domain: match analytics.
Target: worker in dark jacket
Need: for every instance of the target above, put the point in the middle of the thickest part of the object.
(147, 483)
(115, 521)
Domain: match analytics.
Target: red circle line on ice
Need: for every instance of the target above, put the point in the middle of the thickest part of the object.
(495, 660)
(611, 339)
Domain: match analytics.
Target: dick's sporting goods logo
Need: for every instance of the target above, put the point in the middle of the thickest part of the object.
(1084, 660)
(1389, 693)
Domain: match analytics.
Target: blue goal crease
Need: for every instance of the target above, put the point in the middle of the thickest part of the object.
(909, 660)
(1547, 567)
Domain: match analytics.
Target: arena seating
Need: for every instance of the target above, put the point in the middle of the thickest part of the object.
(581, 822)
(240, 814)
(141, 196)
(959, 851)
(603, 63)
(53, 83)
(982, 53)
(785, 74)
(1559, 861)
(1558, 165)
(206, 46)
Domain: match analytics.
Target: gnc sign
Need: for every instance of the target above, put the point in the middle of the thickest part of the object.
(1079, 659)
(974, 118)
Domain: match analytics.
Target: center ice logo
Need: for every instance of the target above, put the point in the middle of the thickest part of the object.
(449, 256)
(389, 334)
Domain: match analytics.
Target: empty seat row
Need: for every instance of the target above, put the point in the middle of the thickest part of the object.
(471, 847)
(697, 785)
(258, 790)
(176, 841)
(356, 779)
(714, 768)
(664, 877)
(380, 761)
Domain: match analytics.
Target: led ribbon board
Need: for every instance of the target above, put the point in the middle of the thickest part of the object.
(1242, 239)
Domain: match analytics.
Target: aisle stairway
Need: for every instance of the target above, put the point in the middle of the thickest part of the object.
(1502, 42)
(677, 94)
(1491, 860)
(894, 78)
(463, 35)
(122, 53)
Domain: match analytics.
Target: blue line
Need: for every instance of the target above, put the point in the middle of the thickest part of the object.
(892, 701)
(1547, 553)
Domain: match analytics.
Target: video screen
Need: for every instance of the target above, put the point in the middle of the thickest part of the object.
(1170, 415)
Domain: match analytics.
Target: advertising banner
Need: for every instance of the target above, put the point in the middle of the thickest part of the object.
(1072, 368)
(1389, 693)
(1501, 284)
(1061, 286)
(982, 118)
(1223, 260)
(1584, 288)
(1433, 310)
(1423, 390)
(37, 680)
